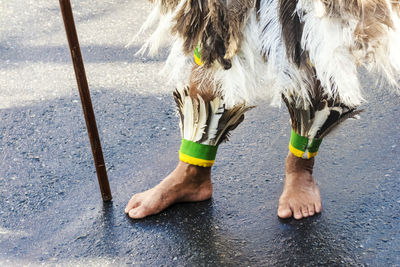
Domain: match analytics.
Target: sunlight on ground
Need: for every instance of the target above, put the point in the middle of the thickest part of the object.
(35, 63)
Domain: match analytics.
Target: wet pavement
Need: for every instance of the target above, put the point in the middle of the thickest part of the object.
(50, 206)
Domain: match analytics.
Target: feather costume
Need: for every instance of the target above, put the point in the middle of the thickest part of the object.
(204, 122)
(304, 51)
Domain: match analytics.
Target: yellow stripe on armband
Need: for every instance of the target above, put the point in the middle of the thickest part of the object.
(195, 161)
(311, 155)
(197, 154)
(300, 154)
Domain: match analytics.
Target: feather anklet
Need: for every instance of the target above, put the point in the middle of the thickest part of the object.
(197, 154)
(204, 125)
(303, 147)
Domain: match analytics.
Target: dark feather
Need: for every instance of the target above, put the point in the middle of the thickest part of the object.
(179, 105)
(205, 136)
(214, 25)
(226, 135)
(191, 20)
(302, 116)
(292, 29)
(229, 120)
(332, 124)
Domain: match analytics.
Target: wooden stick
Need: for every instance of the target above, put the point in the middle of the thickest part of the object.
(83, 87)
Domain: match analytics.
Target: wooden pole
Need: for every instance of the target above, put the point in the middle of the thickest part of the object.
(84, 93)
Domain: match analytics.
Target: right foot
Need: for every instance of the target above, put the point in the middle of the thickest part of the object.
(300, 197)
(187, 183)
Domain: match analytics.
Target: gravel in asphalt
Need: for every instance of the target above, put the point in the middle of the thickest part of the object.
(50, 206)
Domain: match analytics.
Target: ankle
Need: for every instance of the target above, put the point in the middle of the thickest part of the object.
(295, 164)
(193, 173)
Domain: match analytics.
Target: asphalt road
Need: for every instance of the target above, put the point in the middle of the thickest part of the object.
(50, 206)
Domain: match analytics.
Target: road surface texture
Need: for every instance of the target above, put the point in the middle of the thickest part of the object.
(51, 211)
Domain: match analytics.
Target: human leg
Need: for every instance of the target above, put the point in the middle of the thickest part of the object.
(323, 89)
(310, 123)
(300, 197)
(186, 183)
(205, 123)
(214, 102)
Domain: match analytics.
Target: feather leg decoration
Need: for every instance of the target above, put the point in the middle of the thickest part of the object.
(320, 118)
(308, 51)
(197, 113)
(215, 25)
(216, 110)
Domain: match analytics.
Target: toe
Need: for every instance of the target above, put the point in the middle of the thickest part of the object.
(137, 213)
(318, 207)
(284, 211)
(311, 210)
(304, 211)
(132, 213)
(142, 211)
(133, 203)
(297, 213)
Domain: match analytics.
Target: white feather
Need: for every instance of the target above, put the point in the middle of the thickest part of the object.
(202, 120)
(320, 118)
(188, 118)
(151, 20)
(177, 65)
(329, 43)
(217, 109)
(289, 78)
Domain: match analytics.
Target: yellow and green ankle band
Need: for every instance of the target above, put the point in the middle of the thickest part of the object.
(197, 56)
(303, 147)
(197, 154)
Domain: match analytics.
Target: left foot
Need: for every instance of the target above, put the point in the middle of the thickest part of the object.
(187, 183)
(300, 197)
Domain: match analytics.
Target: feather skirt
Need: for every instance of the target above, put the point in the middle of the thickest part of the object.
(304, 51)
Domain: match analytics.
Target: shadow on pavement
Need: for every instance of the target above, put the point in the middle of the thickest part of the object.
(51, 210)
(60, 54)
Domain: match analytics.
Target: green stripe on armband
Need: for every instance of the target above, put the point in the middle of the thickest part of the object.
(301, 146)
(197, 154)
(197, 56)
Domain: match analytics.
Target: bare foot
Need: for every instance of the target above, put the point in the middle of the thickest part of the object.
(187, 183)
(300, 197)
